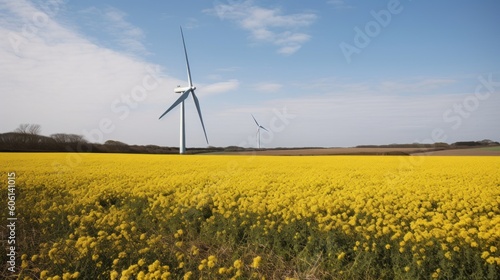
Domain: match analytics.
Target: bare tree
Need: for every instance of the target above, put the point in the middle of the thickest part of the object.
(59, 137)
(68, 138)
(33, 129)
(114, 142)
(23, 128)
(75, 138)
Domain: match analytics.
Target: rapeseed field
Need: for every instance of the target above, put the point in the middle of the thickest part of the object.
(116, 216)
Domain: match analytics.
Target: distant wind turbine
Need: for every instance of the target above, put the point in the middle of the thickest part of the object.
(185, 93)
(258, 130)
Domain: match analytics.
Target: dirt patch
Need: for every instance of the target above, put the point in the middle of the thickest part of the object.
(371, 151)
(335, 151)
(464, 152)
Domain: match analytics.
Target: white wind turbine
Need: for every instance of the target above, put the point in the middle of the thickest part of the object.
(258, 130)
(185, 93)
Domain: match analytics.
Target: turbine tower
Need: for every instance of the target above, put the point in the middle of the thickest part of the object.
(185, 91)
(258, 130)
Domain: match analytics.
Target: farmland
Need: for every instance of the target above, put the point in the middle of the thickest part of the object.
(485, 151)
(102, 216)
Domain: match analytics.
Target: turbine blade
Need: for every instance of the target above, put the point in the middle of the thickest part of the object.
(187, 61)
(255, 120)
(263, 128)
(197, 103)
(177, 102)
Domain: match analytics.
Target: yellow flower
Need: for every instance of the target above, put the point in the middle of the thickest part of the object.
(210, 264)
(24, 264)
(256, 262)
(238, 264)
(154, 266)
(408, 236)
(194, 250)
(187, 275)
(386, 201)
(114, 275)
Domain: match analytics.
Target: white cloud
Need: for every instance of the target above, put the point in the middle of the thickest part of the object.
(268, 87)
(219, 87)
(368, 113)
(420, 85)
(114, 22)
(220, 72)
(228, 69)
(267, 25)
(192, 23)
(288, 50)
(62, 81)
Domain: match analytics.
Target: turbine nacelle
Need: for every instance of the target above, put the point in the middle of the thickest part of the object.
(180, 89)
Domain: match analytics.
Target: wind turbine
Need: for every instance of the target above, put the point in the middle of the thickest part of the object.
(258, 130)
(185, 93)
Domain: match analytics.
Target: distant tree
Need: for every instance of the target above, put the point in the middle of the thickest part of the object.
(68, 138)
(33, 129)
(233, 148)
(22, 128)
(467, 143)
(16, 141)
(441, 145)
(114, 142)
(487, 142)
(59, 137)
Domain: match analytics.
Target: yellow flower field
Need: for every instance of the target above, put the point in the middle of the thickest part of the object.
(115, 216)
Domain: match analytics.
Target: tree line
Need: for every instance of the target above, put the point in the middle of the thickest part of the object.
(439, 145)
(28, 138)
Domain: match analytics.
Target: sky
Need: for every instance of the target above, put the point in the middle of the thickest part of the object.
(330, 73)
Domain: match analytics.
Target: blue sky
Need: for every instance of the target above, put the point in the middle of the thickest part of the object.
(326, 73)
